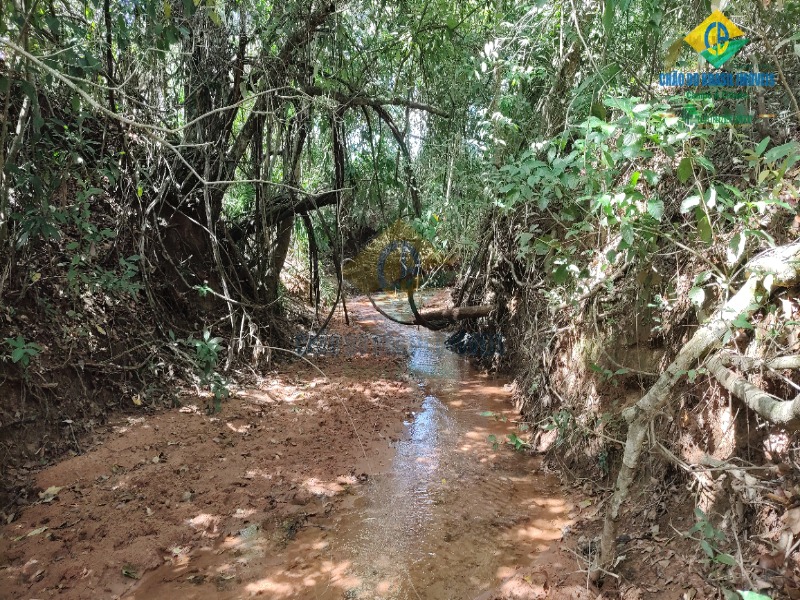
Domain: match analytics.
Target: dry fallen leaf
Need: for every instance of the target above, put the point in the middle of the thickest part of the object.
(50, 493)
(792, 520)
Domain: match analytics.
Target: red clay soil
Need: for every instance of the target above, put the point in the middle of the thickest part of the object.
(299, 480)
(124, 505)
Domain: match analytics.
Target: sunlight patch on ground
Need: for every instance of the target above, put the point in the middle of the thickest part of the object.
(240, 429)
(209, 524)
(324, 488)
(504, 572)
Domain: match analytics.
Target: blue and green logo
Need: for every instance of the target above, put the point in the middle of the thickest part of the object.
(717, 39)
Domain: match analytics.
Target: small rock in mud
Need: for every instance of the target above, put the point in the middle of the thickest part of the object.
(302, 498)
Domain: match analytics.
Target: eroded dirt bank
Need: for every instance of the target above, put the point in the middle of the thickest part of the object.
(377, 482)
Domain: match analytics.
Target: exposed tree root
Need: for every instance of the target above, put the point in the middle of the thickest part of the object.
(767, 406)
(783, 265)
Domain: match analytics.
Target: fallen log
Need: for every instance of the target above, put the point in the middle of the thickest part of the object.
(781, 267)
(435, 319)
(457, 314)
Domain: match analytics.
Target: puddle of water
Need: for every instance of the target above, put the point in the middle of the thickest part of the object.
(449, 518)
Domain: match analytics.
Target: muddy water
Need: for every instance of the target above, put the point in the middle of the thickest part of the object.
(444, 516)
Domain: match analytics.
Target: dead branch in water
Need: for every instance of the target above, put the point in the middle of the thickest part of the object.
(436, 319)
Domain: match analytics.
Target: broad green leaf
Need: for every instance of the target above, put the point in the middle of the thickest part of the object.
(684, 169)
(628, 233)
(762, 146)
(707, 548)
(735, 247)
(689, 203)
(655, 208)
(673, 52)
(705, 163)
(608, 15)
(752, 595)
(697, 296)
(561, 274)
(703, 225)
(725, 559)
(741, 322)
(779, 152)
(650, 177)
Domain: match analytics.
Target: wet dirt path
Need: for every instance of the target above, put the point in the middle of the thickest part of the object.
(451, 516)
(375, 483)
(447, 517)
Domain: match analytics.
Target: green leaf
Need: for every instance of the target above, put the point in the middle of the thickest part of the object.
(707, 548)
(725, 559)
(741, 322)
(628, 233)
(685, 169)
(735, 247)
(697, 296)
(561, 274)
(650, 177)
(705, 163)
(703, 225)
(673, 52)
(655, 208)
(608, 16)
(752, 595)
(779, 152)
(762, 146)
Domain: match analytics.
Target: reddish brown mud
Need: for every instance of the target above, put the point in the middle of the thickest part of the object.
(377, 482)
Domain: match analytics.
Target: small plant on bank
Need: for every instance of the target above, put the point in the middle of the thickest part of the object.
(562, 422)
(207, 354)
(512, 439)
(709, 538)
(22, 350)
